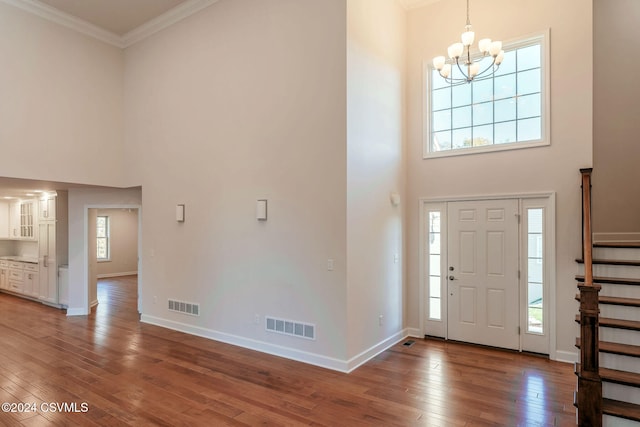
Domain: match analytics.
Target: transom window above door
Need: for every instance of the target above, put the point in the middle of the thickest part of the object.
(506, 110)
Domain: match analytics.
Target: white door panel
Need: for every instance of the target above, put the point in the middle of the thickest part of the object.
(483, 272)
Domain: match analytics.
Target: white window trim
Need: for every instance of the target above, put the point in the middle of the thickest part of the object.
(108, 258)
(545, 102)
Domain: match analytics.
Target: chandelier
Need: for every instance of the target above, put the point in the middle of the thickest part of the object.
(460, 55)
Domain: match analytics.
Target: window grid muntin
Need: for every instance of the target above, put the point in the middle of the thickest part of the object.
(541, 131)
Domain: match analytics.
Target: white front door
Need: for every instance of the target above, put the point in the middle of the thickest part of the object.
(483, 273)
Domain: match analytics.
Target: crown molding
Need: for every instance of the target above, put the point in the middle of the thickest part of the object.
(414, 4)
(157, 24)
(54, 15)
(165, 20)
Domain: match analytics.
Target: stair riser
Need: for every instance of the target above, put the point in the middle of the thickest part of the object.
(621, 254)
(621, 392)
(620, 312)
(608, 421)
(621, 271)
(621, 336)
(619, 362)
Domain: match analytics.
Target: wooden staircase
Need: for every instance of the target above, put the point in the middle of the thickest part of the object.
(609, 368)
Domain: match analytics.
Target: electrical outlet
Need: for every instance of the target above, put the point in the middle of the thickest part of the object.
(380, 320)
(330, 264)
(395, 258)
(256, 319)
(155, 299)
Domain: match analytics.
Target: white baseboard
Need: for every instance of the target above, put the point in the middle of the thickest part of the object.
(93, 304)
(566, 356)
(414, 333)
(125, 273)
(373, 351)
(278, 350)
(76, 312)
(264, 347)
(616, 237)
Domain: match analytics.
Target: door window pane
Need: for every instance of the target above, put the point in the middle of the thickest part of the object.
(535, 271)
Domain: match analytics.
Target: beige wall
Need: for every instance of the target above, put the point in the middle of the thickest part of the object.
(123, 238)
(554, 168)
(376, 58)
(244, 100)
(616, 128)
(61, 103)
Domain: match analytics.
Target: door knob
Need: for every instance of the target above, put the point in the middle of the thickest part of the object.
(452, 278)
(451, 268)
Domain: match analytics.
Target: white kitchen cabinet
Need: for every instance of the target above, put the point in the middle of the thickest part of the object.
(23, 220)
(4, 275)
(31, 284)
(4, 220)
(28, 216)
(47, 207)
(14, 220)
(48, 267)
(16, 277)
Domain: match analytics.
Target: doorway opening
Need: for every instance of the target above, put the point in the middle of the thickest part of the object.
(488, 271)
(113, 261)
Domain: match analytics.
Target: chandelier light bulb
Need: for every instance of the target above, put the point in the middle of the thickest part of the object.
(499, 57)
(467, 38)
(495, 49)
(455, 50)
(446, 70)
(474, 69)
(438, 62)
(484, 45)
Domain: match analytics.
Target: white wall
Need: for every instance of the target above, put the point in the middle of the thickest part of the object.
(243, 101)
(61, 103)
(80, 200)
(123, 240)
(553, 168)
(376, 40)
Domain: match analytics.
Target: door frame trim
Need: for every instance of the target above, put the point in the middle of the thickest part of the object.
(550, 258)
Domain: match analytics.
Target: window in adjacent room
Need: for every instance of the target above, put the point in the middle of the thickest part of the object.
(103, 252)
(506, 110)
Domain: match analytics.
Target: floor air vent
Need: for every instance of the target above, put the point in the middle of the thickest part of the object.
(291, 327)
(184, 307)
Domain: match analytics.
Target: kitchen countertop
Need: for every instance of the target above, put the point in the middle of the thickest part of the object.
(20, 259)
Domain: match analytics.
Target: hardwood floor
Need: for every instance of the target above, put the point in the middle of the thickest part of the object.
(129, 373)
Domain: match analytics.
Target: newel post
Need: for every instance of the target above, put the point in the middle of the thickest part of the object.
(589, 381)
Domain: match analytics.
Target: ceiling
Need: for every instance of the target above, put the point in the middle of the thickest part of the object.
(116, 16)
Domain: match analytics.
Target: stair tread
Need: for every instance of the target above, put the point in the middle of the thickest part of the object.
(611, 280)
(615, 376)
(620, 377)
(620, 409)
(616, 323)
(617, 245)
(632, 302)
(629, 262)
(616, 348)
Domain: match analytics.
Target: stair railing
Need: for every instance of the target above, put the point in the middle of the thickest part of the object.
(589, 399)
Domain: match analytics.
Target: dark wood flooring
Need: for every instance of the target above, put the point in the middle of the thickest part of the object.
(129, 373)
